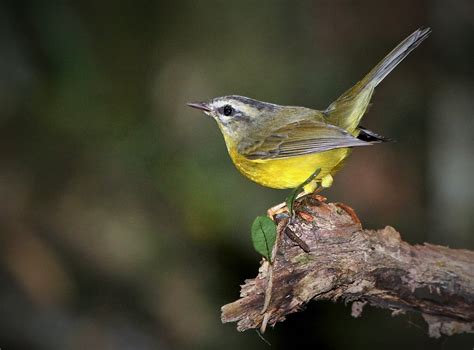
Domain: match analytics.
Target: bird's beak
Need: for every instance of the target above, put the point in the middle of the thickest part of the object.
(200, 105)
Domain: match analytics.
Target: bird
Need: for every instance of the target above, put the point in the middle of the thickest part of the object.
(280, 146)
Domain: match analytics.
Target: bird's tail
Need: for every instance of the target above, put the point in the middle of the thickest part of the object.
(349, 108)
(381, 70)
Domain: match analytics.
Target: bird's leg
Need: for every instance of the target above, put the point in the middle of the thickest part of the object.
(309, 186)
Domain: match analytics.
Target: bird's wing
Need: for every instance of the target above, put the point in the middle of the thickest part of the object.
(298, 138)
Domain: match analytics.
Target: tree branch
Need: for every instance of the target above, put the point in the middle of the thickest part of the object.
(360, 266)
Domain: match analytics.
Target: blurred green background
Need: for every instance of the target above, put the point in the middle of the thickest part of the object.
(123, 223)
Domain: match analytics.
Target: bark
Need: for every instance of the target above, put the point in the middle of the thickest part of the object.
(350, 264)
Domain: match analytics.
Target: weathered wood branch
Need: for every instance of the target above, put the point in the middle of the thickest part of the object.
(350, 264)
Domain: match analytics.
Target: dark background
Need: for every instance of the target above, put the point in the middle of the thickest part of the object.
(124, 225)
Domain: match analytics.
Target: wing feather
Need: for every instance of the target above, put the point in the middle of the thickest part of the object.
(299, 138)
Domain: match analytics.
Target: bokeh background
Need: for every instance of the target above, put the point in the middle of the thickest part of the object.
(123, 223)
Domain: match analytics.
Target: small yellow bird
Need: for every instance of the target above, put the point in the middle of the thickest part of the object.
(282, 146)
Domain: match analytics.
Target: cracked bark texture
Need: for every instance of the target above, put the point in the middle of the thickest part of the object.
(350, 264)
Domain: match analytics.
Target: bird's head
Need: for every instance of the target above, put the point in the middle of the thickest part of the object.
(236, 115)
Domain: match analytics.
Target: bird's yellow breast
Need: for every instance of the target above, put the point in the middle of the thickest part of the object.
(289, 172)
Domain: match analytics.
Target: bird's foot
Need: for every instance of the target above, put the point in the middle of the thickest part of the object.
(277, 209)
(282, 207)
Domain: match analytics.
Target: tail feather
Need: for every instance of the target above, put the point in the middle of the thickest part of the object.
(371, 136)
(347, 111)
(381, 70)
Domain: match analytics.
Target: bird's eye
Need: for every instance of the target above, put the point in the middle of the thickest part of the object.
(228, 110)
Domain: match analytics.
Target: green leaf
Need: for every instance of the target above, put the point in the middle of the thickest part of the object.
(264, 235)
(290, 200)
